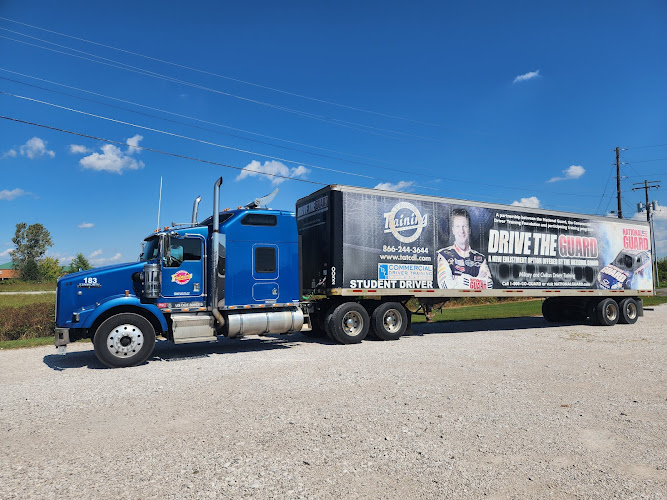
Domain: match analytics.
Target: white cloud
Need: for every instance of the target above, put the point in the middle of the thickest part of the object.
(112, 159)
(62, 258)
(532, 202)
(571, 172)
(271, 168)
(399, 186)
(660, 232)
(99, 261)
(527, 76)
(36, 148)
(9, 195)
(86, 225)
(105, 260)
(660, 213)
(133, 142)
(8, 154)
(78, 149)
(6, 252)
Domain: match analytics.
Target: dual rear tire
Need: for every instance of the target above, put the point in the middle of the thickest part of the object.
(605, 312)
(350, 322)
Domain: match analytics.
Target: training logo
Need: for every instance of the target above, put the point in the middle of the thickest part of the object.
(405, 218)
(181, 277)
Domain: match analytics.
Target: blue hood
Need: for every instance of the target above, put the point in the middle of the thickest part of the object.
(85, 289)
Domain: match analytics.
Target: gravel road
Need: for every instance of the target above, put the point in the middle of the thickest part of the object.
(501, 409)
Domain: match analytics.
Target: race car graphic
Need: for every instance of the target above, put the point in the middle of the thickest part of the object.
(627, 267)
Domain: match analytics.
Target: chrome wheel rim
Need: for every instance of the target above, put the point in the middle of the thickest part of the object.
(125, 340)
(610, 312)
(392, 321)
(352, 323)
(631, 311)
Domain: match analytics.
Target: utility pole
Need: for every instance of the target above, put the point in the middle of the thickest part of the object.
(618, 182)
(650, 207)
(646, 187)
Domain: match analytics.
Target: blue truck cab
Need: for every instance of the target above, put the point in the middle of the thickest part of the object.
(235, 274)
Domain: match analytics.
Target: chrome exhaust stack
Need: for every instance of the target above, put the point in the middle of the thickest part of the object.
(215, 241)
(195, 209)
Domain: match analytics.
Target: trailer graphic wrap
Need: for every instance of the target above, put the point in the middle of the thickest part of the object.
(407, 243)
(387, 242)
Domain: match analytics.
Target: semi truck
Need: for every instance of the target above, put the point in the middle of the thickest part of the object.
(347, 262)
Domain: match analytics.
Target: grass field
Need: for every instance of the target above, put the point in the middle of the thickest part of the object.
(487, 311)
(24, 300)
(20, 286)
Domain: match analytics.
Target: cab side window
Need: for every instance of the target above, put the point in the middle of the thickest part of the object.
(265, 260)
(181, 250)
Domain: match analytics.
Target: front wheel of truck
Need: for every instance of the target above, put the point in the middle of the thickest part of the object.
(126, 339)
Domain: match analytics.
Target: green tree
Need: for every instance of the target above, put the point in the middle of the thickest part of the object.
(662, 271)
(79, 263)
(30, 271)
(50, 269)
(31, 242)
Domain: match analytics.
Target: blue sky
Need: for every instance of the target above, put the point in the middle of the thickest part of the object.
(506, 102)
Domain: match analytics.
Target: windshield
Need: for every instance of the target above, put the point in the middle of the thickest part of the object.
(151, 249)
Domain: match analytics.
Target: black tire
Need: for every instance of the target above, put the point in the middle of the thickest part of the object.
(348, 323)
(607, 312)
(629, 311)
(549, 310)
(327, 322)
(389, 321)
(126, 339)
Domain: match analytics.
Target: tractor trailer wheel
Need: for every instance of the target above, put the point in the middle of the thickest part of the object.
(629, 311)
(348, 323)
(389, 321)
(550, 310)
(126, 339)
(607, 312)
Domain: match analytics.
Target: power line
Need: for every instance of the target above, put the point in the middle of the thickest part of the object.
(604, 192)
(644, 161)
(186, 124)
(48, 127)
(477, 183)
(180, 136)
(156, 150)
(134, 69)
(187, 116)
(222, 76)
(651, 146)
(176, 155)
(647, 175)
